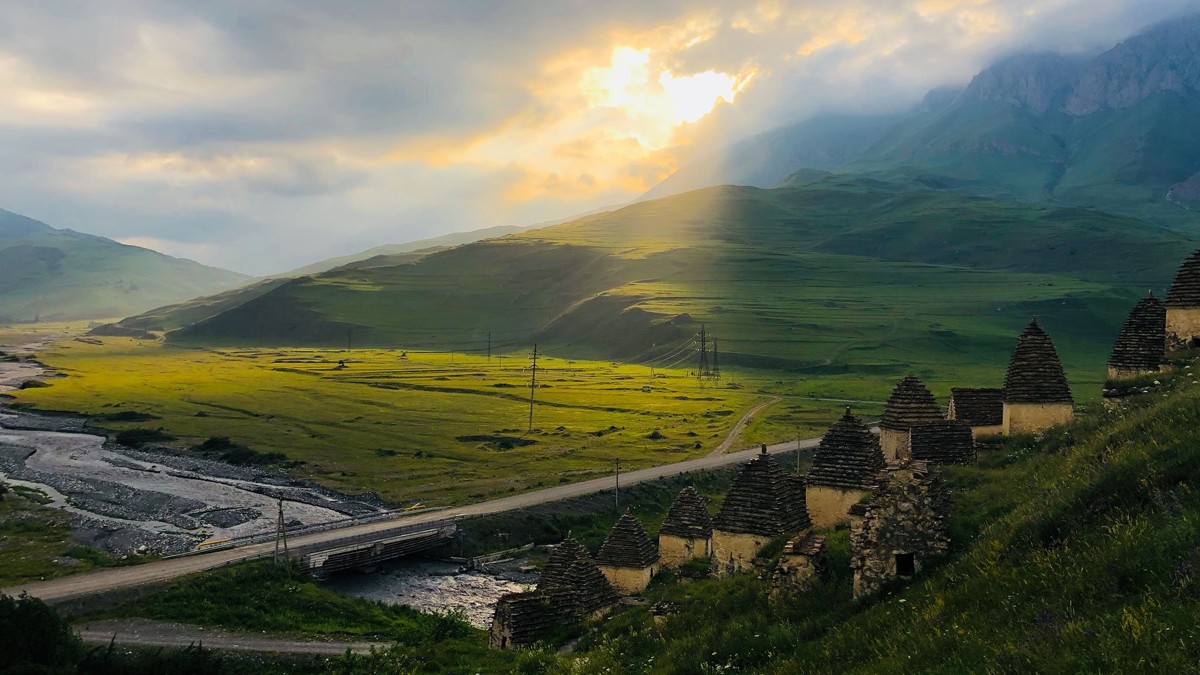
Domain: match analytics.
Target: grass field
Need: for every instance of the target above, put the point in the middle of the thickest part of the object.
(36, 543)
(436, 428)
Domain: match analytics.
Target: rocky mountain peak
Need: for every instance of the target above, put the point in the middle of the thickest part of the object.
(1041, 82)
(1165, 58)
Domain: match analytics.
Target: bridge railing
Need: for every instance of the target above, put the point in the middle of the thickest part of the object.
(250, 539)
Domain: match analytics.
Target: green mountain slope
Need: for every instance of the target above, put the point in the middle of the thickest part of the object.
(424, 245)
(839, 274)
(65, 275)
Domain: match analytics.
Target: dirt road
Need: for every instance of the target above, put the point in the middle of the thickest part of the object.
(147, 633)
(741, 426)
(93, 583)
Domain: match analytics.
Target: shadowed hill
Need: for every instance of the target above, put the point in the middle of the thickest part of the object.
(841, 273)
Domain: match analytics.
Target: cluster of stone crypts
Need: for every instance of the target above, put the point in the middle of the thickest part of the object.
(763, 502)
(842, 471)
(981, 409)
(1183, 305)
(944, 442)
(686, 532)
(1142, 343)
(900, 528)
(910, 404)
(1036, 394)
(628, 558)
(571, 588)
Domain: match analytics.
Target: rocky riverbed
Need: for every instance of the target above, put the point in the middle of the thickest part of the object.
(434, 586)
(125, 500)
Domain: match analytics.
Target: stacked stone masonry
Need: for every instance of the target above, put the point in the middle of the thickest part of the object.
(686, 532)
(570, 569)
(804, 560)
(982, 409)
(900, 528)
(763, 503)
(628, 558)
(946, 442)
(522, 619)
(1141, 345)
(910, 404)
(1183, 305)
(843, 470)
(1036, 394)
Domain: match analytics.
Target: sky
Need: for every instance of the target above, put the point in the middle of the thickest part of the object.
(260, 136)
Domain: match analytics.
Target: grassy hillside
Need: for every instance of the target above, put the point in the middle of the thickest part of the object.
(422, 245)
(62, 275)
(1124, 161)
(839, 275)
(1076, 553)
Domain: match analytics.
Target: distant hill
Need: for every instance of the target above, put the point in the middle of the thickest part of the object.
(1115, 131)
(426, 245)
(66, 275)
(843, 272)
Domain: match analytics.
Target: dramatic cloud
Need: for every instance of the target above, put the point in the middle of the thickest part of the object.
(263, 135)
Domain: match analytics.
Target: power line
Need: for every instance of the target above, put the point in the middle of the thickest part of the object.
(532, 384)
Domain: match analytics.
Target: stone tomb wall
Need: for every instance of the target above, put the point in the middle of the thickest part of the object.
(895, 444)
(734, 552)
(1030, 418)
(986, 432)
(1182, 325)
(628, 580)
(828, 506)
(674, 551)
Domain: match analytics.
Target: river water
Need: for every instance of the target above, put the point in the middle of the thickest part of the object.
(430, 586)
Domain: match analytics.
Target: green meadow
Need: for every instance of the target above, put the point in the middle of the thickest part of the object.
(415, 427)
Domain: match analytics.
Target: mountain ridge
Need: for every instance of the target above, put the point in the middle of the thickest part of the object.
(64, 275)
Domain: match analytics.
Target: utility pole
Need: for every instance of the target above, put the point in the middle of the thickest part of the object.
(349, 339)
(617, 487)
(280, 535)
(716, 363)
(532, 385)
(703, 372)
(489, 346)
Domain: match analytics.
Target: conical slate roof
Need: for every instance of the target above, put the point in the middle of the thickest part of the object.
(1035, 375)
(628, 545)
(688, 516)
(570, 569)
(848, 456)
(947, 442)
(1142, 341)
(910, 404)
(978, 407)
(1185, 289)
(763, 500)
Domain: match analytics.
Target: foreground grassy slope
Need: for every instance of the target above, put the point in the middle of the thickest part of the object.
(63, 275)
(1076, 553)
(839, 274)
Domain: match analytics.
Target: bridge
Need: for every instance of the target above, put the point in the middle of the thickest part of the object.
(368, 550)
